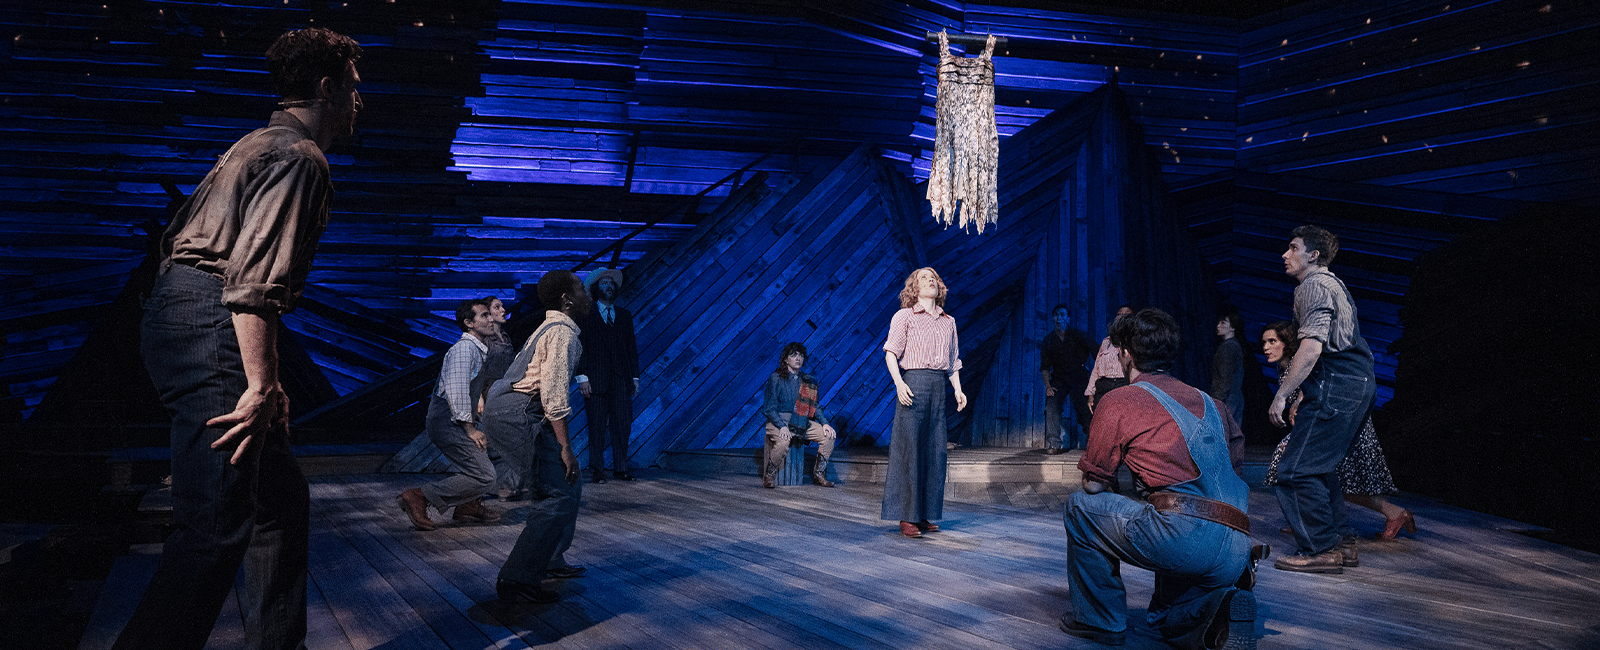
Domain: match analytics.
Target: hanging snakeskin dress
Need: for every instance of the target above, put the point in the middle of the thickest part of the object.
(966, 146)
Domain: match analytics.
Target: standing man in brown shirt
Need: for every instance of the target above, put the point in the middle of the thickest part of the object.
(236, 258)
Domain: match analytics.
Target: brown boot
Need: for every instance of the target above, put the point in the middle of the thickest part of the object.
(818, 479)
(416, 507)
(475, 511)
(769, 481)
(1331, 561)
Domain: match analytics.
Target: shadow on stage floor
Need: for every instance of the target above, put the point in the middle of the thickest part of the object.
(697, 562)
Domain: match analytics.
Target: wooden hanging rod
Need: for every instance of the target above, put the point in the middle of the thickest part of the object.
(968, 39)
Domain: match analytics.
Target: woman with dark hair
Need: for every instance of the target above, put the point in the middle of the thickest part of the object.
(789, 403)
(922, 353)
(510, 481)
(1364, 474)
(1227, 365)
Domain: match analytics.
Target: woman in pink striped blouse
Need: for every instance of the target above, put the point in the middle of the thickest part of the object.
(922, 352)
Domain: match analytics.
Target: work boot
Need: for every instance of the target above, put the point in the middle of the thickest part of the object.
(1331, 561)
(416, 508)
(475, 511)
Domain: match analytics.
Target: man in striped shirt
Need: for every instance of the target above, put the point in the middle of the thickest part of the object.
(1334, 368)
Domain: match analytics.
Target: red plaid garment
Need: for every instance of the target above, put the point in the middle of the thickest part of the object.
(806, 404)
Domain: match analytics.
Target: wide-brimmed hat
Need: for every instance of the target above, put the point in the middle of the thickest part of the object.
(594, 276)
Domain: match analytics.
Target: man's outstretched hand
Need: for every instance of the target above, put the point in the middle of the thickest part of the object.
(258, 412)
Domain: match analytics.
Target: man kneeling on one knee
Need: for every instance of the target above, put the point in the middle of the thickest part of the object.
(791, 409)
(1184, 451)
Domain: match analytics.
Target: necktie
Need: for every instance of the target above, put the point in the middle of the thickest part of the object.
(607, 314)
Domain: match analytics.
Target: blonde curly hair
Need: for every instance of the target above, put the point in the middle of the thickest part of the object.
(908, 295)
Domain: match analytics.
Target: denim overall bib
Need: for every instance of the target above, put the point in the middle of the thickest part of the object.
(1180, 606)
(1208, 448)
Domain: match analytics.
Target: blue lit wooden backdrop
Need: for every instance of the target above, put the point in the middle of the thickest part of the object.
(504, 139)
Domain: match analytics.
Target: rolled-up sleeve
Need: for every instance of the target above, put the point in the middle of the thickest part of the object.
(562, 357)
(284, 211)
(897, 334)
(1104, 451)
(1313, 308)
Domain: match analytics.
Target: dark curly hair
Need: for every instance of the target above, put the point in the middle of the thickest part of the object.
(1150, 336)
(1318, 239)
(301, 58)
(783, 365)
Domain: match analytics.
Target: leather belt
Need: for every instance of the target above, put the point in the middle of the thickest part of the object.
(1201, 507)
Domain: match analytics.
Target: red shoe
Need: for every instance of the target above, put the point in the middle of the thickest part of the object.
(927, 526)
(910, 530)
(1405, 520)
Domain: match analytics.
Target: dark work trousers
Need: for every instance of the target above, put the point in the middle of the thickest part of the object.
(913, 489)
(1061, 432)
(510, 420)
(610, 423)
(253, 515)
(555, 506)
(1338, 395)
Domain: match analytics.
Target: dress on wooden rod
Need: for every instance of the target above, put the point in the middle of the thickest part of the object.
(966, 146)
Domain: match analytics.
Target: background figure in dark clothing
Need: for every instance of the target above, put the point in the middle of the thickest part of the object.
(1062, 357)
(608, 374)
(1227, 365)
(236, 257)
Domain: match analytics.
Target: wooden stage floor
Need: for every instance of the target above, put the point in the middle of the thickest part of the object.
(693, 562)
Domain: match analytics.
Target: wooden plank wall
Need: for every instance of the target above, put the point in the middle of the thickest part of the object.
(1179, 74)
(1492, 98)
(1180, 71)
(502, 138)
(1383, 231)
(106, 102)
(818, 259)
(103, 103)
